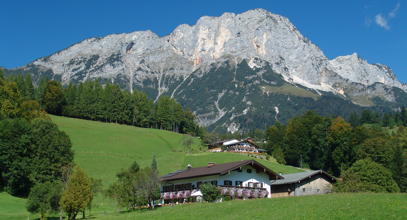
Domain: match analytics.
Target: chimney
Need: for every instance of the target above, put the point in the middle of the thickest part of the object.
(189, 166)
(210, 164)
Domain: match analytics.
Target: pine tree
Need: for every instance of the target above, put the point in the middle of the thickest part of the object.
(154, 164)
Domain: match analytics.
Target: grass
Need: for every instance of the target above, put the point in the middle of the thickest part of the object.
(202, 159)
(331, 206)
(288, 89)
(103, 149)
(363, 101)
(12, 207)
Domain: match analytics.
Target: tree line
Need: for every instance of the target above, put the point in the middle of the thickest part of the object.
(334, 145)
(36, 159)
(387, 119)
(355, 149)
(32, 148)
(92, 100)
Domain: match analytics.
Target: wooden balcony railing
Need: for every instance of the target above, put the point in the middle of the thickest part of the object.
(232, 191)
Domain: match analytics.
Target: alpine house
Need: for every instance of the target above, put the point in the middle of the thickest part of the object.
(241, 179)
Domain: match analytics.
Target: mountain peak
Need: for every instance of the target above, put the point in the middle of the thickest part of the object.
(168, 65)
(357, 69)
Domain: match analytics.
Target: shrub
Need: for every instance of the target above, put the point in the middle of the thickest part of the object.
(210, 192)
(44, 198)
(367, 176)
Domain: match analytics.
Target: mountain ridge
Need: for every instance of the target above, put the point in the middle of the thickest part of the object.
(263, 41)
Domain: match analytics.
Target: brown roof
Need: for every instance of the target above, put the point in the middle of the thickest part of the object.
(218, 169)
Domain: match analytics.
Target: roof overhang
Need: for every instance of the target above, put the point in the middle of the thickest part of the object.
(253, 163)
(331, 178)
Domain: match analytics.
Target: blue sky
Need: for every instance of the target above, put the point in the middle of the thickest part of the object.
(376, 29)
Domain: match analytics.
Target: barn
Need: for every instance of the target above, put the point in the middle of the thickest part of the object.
(304, 183)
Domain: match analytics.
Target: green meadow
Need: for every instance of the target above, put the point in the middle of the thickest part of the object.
(12, 207)
(103, 149)
(330, 206)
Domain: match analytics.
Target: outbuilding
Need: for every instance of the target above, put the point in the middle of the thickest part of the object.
(304, 183)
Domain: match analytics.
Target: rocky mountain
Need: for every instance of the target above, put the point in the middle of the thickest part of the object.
(236, 71)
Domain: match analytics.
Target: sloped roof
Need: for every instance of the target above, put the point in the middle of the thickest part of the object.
(234, 141)
(298, 177)
(217, 169)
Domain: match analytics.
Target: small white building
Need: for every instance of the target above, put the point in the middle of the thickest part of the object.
(240, 179)
(238, 146)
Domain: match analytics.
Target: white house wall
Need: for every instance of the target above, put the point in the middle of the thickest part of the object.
(233, 176)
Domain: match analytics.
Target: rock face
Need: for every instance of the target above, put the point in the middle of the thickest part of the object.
(256, 59)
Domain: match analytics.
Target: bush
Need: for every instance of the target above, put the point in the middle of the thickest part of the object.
(367, 176)
(210, 192)
(227, 198)
(278, 154)
(44, 198)
(135, 187)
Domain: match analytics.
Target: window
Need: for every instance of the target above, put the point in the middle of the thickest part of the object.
(250, 184)
(214, 182)
(258, 185)
(168, 188)
(239, 170)
(303, 189)
(238, 183)
(180, 187)
(249, 170)
(227, 183)
(317, 190)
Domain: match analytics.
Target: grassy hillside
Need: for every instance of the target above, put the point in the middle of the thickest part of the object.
(331, 206)
(12, 207)
(103, 149)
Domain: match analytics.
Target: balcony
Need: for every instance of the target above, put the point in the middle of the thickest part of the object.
(232, 191)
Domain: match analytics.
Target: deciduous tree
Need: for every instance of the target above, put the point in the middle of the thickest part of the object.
(53, 98)
(44, 198)
(367, 176)
(77, 194)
